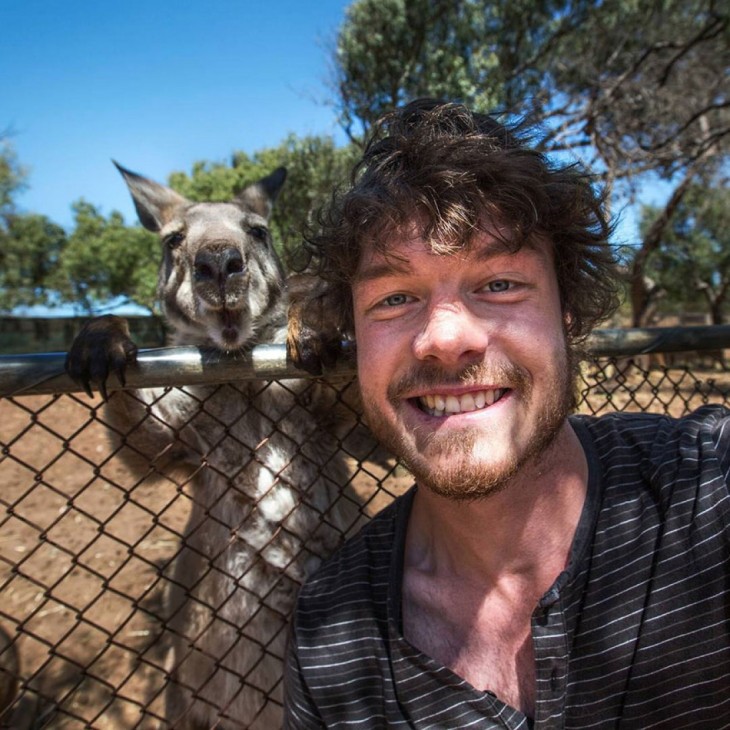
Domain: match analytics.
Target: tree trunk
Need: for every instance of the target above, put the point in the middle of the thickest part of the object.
(639, 291)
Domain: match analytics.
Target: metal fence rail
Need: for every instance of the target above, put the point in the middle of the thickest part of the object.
(93, 530)
(174, 366)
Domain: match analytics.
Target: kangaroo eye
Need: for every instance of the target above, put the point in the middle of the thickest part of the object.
(173, 240)
(259, 233)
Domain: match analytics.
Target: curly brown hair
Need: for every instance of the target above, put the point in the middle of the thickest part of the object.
(453, 173)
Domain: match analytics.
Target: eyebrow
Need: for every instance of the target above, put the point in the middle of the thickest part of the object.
(381, 270)
(397, 265)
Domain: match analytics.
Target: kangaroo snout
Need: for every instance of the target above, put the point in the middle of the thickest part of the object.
(218, 266)
(220, 276)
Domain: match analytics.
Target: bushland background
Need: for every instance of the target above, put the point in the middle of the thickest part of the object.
(636, 90)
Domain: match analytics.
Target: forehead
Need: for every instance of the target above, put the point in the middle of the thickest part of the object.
(213, 219)
(402, 254)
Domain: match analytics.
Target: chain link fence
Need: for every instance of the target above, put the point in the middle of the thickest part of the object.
(148, 561)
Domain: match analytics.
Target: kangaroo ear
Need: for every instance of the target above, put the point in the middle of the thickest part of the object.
(155, 203)
(260, 196)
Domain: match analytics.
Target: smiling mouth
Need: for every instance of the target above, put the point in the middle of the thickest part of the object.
(441, 405)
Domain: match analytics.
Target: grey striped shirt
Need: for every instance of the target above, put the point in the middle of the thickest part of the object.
(634, 634)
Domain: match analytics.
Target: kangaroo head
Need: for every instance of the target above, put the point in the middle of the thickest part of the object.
(221, 282)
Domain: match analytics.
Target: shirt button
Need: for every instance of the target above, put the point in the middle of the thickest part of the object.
(554, 683)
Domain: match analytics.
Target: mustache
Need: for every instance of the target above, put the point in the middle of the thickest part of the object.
(430, 376)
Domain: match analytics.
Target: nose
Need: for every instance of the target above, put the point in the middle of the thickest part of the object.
(217, 265)
(450, 334)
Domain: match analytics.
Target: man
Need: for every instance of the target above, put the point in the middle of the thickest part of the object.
(546, 570)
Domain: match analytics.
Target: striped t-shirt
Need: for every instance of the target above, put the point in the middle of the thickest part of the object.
(633, 634)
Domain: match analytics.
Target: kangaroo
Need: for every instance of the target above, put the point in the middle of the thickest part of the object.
(260, 459)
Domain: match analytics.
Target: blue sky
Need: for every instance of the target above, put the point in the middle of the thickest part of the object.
(156, 85)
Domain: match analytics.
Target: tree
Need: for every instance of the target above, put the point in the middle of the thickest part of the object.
(489, 54)
(100, 260)
(390, 51)
(105, 259)
(30, 245)
(30, 250)
(692, 266)
(645, 88)
(12, 175)
(635, 88)
(644, 85)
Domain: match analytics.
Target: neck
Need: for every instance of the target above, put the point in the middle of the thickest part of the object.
(524, 531)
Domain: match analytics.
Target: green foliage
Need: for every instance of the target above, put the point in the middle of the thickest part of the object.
(12, 176)
(30, 245)
(489, 54)
(315, 168)
(645, 84)
(213, 181)
(30, 249)
(391, 51)
(692, 266)
(105, 259)
(641, 85)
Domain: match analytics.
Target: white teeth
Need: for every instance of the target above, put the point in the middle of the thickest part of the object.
(467, 402)
(438, 405)
(452, 404)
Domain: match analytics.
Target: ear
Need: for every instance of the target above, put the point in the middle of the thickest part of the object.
(260, 196)
(155, 203)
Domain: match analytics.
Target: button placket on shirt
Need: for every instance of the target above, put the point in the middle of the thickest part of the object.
(550, 643)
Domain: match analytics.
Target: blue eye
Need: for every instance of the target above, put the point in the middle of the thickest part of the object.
(395, 300)
(500, 285)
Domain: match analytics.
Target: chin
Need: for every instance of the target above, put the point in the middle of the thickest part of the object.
(231, 338)
(464, 481)
(471, 464)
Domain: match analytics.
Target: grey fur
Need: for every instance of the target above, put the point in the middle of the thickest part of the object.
(261, 459)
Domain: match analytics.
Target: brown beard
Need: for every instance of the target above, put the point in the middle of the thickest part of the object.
(475, 481)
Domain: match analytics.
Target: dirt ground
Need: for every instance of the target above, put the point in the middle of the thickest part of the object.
(83, 549)
(80, 550)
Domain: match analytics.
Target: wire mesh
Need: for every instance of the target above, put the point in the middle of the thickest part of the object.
(148, 562)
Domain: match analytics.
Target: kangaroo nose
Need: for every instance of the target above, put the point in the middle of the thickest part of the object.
(217, 264)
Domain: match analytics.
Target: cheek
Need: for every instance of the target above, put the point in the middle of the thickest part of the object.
(540, 325)
(368, 355)
(379, 355)
(537, 343)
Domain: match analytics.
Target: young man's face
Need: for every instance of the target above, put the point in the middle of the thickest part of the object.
(462, 360)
